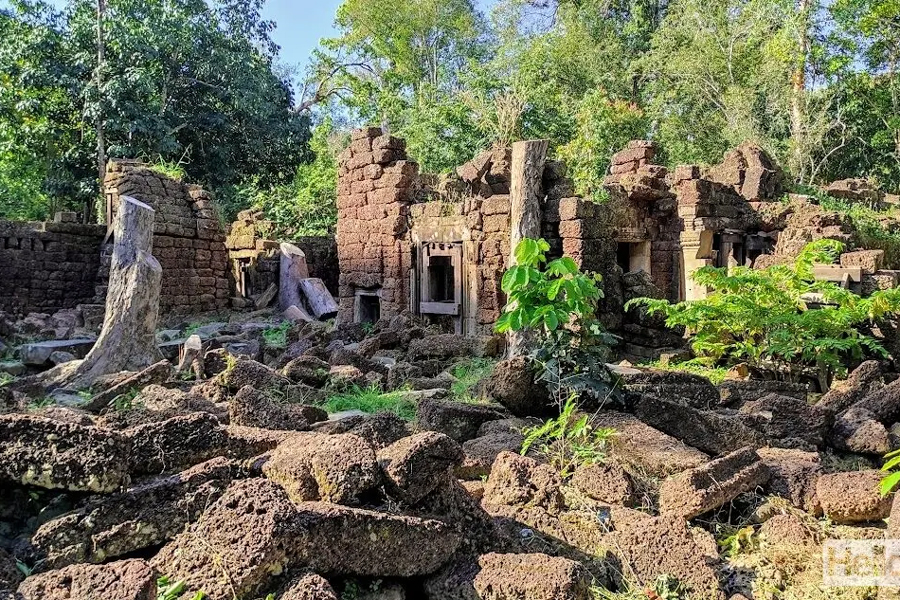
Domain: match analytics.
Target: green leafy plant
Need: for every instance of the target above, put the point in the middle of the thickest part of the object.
(6, 379)
(762, 317)
(569, 440)
(557, 304)
(716, 375)
(891, 464)
(372, 400)
(276, 337)
(167, 590)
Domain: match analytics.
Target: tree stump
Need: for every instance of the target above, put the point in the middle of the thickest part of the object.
(525, 195)
(292, 270)
(127, 340)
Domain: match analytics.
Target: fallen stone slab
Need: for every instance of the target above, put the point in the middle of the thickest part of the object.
(313, 466)
(246, 442)
(52, 454)
(675, 386)
(522, 481)
(308, 370)
(666, 546)
(252, 407)
(858, 430)
(794, 474)
(38, 353)
(415, 466)
(459, 420)
(10, 575)
(532, 576)
(513, 385)
(449, 345)
(343, 541)
(853, 497)
(480, 453)
(865, 379)
(155, 373)
(141, 517)
(175, 443)
(783, 418)
(649, 449)
(736, 392)
(307, 586)
(245, 372)
(237, 546)
(694, 492)
(703, 429)
(884, 403)
(605, 482)
(122, 580)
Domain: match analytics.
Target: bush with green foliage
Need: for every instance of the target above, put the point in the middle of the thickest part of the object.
(557, 303)
(605, 126)
(763, 318)
(568, 441)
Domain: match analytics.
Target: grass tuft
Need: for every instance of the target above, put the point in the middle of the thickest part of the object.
(372, 400)
(468, 374)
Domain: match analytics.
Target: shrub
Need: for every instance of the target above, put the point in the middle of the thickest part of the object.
(557, 304)
(761, 317)
(568, 441)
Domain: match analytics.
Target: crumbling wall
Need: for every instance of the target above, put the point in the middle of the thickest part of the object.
(376, 183)
(255, 260)
(188, 240)
(50, 266)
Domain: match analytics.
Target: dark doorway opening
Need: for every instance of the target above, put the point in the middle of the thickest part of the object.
(368, 308)
(441, 279)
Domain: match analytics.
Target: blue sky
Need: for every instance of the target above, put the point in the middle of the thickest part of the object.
(301, 24)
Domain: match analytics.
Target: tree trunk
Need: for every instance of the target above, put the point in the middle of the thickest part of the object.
(525, 195)
(292, 271)
(101, 134)
(318, 298)
(798, 88)
(127, 340)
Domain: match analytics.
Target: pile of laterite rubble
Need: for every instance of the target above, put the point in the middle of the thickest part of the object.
(241, 486)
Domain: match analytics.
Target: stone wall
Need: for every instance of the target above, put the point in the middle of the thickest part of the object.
(188, 240)
(255, 260)
(376, 184)
(46, 267)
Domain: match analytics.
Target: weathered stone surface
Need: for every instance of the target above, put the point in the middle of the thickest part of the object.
(787, 530)
(175, 443)
(865, 379)
(531, 576)
(716, 483)
(666, 546)
(123, 580)
(256, 375)
(313, 466)
(379, 430)
(237, 546)
(674, 386)
(657, 453)
(707, 430)
(251, 407)
(449, 345)
(52, 454)
(416, 465)
(793, 476)
(735, 392)
(246, 442)
(458, 420)
(784, 418)
(143, 516)
(608, 483)
(39, 353)
(857, 430)
(481, 452)
(343, 541)
(307, 369)
(453, 504)
(513, 385)
(522, 481)
(307, 586)
(853, 497)
(883, 403)
(10, 575)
